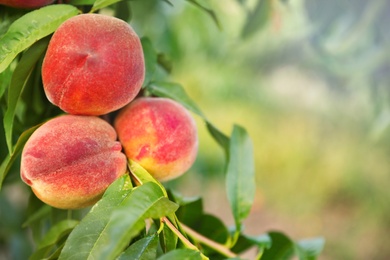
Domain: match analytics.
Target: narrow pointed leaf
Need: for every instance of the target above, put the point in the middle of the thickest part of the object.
(182, 254)
(99, 4)
(176, 92)
(56, 232)
(257, 18)
(10, 159)
(82, 239)
(30, 28)
(142, 176)
(240, 175)
(150, 56)
(210, 12)
(146, 201)
(143, 249)
(18, 81)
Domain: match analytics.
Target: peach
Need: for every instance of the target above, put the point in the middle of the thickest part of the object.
(28, 4)
(94, 65)
(70, 160)
(159, 134)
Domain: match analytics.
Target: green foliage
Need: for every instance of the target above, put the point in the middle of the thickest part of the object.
(137, 218)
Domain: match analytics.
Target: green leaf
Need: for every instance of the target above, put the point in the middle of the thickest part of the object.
(52, 237)
(82, 2)
(282, 247)
(107, 230)
(219, 137)
(146, 201)
(190, 211)
(168, 239)
(10, 159)
(143, 249)
(42, 212)
(309, 249)
(82, 239)
(176, 92)
(257, 18)
(182, 254)
(210, 12)
(245, 242)
(150, 56)
(142, 176)
(99, 4)
(30, 28)
(240, 175)
(18, 81)
(5, 79)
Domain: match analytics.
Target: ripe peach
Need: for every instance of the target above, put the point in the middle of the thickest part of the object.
(28, 4)
(70, 160)
(94, 65)
(159, 134)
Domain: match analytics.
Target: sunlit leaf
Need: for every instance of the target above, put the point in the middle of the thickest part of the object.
(82, 239)
(114, 220)
(142, 176)
(10, 159)
(146, 201)
(182, 254)
(143, 249)
(30, 28)
(99, 4)
(240, 175)
(309, 249)
(18, 81)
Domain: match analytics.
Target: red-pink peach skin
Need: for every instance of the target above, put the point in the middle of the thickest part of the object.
(70, 160)
(94, 65)
(26, 4)
(159, 134)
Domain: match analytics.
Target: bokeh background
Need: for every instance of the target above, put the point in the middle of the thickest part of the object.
(310, 81)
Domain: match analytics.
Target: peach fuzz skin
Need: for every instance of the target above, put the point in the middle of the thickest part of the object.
(27, 4)
(70, 160)
(159, 134)
(94, 65)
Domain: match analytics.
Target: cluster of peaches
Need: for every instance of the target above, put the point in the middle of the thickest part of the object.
(94, 65)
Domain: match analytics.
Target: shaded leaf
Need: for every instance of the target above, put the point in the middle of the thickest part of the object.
(168, 239)
(150, 56)
(82, 2)
(10, 159)
(182, 254)
(257, 18)
(210, 12)
(309, 249)
(52, 237)
(176, 92)
(143, 249)
(19, 78)
(240, 175)
(30, 28)
(282, 247)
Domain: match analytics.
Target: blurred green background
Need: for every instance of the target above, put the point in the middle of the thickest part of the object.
(310, 81)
